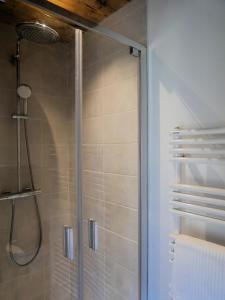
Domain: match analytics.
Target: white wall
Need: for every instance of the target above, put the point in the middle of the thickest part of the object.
(186, 40)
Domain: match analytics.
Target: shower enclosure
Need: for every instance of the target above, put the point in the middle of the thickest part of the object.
(71, 132)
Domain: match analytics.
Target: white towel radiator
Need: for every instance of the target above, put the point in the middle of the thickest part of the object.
(201, 146)
(206, 203)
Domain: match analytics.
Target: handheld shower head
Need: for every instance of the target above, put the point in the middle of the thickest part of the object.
(24, 91)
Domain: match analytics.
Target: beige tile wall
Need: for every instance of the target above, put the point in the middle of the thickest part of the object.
(130, 20)
(49, 71)
(110, 169)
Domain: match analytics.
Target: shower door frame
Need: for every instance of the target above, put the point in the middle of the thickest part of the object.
(81, 23)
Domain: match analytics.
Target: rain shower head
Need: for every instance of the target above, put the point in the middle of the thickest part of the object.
(37, 33)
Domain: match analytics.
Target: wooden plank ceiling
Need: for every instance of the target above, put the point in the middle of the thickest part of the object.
(15, 11)
(91, 10)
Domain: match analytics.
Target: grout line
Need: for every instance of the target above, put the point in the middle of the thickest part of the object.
(121, 236)
(105, 58)
(105, 86)
(110, 85)
(114, 233)
(111, 203)
(111, 114)
(107, 144)
(104, 172)
(108, 173)
(100, 60)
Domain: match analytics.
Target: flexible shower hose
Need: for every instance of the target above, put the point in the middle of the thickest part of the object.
(13, 210)
(13, 206)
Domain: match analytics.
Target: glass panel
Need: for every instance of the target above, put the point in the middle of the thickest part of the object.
(110, 169)
(49, 70)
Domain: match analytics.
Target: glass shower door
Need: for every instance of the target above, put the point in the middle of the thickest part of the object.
(110, 171)
(60, 175)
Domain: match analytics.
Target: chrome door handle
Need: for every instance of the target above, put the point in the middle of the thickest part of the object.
(93, 234)
(68, 242)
